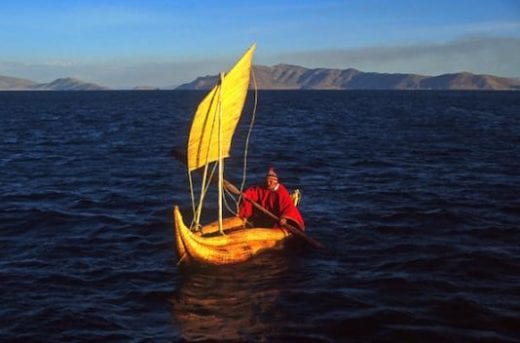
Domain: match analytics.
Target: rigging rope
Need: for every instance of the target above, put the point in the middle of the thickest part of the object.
(195, 223)
(229, 194)
(192, 193)
(251, 124)
(197, 210)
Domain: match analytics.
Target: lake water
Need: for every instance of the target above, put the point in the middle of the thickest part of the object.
(416, 196)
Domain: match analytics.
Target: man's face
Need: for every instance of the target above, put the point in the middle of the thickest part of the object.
(271, 182)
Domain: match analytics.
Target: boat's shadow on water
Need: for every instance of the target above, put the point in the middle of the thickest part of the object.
(237, 302)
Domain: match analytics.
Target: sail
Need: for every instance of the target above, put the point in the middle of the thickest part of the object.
(229, 95)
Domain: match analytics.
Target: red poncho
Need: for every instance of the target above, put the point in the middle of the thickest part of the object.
(278, 202)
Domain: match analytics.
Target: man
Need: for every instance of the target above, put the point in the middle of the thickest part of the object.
(274, 197)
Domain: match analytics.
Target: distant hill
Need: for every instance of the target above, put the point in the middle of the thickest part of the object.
(284, 76)
(13, 83)
(63, 84)
(145, 88)
(69, 84)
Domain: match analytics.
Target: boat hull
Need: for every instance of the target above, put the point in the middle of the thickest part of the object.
(235, 246)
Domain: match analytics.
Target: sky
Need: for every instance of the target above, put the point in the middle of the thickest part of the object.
(164, 43)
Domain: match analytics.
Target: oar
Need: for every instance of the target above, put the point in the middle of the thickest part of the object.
(179, 155)
(294, 230)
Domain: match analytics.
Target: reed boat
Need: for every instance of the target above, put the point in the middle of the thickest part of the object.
(226, 240)
(236, 245)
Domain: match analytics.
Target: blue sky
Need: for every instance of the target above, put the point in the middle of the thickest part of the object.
(122, 44)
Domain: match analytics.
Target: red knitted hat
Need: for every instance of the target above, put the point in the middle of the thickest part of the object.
(271, 173)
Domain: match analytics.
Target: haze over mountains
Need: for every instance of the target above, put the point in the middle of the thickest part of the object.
(68, 83)
(284, 76)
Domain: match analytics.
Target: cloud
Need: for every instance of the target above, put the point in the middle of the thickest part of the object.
(482, 55)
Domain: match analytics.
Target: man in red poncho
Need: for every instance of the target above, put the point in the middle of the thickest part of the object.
(274, 197)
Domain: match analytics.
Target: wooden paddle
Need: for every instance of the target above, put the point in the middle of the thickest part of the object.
(230, 187)
(294, 230)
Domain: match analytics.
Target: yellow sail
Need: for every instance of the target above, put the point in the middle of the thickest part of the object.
(229, 95)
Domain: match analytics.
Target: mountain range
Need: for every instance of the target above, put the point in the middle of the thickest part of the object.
(285, 76)
(68, 83)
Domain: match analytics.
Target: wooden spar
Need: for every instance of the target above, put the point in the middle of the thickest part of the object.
(220, 158)
(294, 230)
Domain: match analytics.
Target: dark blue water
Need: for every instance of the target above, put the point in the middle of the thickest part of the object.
(415, 194)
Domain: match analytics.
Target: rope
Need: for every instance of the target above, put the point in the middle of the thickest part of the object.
(182, 259)
(192, 193)
(204, 190)
(251, 124)
(196, 222)
(197, 211)
(228, 193)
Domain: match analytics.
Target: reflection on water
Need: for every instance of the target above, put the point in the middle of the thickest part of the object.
(231, 302)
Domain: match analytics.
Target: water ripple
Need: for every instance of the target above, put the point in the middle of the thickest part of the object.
(414, 194)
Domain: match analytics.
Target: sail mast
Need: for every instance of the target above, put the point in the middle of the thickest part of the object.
(220, 158)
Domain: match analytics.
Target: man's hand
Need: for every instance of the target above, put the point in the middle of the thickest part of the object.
(283, 221)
